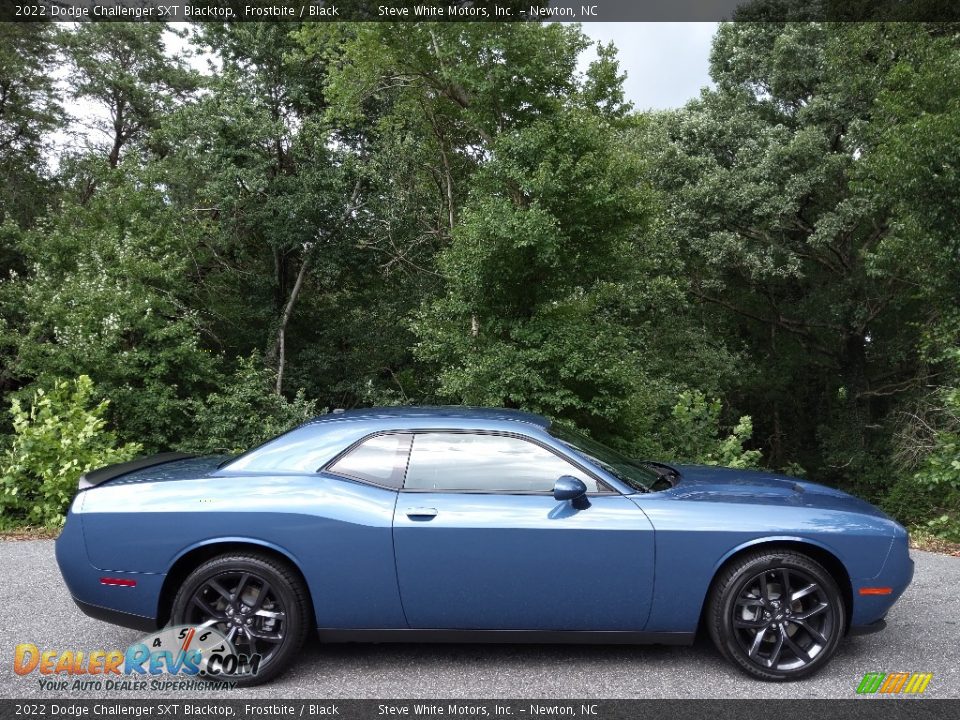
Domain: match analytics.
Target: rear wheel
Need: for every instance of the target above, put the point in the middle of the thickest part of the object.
(776, 615)
(258, 603)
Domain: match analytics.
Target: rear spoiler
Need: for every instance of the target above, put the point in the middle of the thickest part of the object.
(101, 475)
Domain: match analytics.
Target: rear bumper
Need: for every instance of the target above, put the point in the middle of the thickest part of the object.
(130, 606)
(116, 617)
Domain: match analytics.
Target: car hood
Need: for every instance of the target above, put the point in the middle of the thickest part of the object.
(718, 484)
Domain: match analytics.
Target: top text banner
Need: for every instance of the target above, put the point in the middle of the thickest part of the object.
(475, 11)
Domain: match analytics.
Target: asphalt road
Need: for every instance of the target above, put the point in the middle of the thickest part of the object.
(922, 636)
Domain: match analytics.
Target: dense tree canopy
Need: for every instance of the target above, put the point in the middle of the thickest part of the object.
(30, 111)
(813, 234)
(346, 215)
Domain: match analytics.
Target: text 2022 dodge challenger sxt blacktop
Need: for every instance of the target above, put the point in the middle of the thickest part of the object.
(470, 524)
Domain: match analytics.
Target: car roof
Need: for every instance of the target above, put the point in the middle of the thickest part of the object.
(421, 413)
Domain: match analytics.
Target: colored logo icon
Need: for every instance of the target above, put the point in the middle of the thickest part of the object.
(894, 683)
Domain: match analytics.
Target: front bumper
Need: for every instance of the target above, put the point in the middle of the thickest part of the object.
(870, 629)
(896, 574)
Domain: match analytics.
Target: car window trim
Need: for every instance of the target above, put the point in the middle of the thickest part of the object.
(500, 433)
(326, 468)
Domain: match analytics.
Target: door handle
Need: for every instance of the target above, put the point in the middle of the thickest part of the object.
(421, 512)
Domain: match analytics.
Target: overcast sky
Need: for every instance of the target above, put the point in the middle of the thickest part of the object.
(666, 63)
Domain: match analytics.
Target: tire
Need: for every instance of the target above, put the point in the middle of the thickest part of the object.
(764, 636)
(261, 604)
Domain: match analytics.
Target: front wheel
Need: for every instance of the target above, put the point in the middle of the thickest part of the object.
(259, 604)
(776, 615)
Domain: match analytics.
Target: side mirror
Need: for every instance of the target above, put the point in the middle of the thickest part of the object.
(570, 488)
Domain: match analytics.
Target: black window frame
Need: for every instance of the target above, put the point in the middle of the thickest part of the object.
(326, 468)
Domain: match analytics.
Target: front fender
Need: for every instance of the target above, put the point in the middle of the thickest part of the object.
(695, 538)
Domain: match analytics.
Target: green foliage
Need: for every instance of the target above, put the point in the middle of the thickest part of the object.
(693, 435)
(799, 192)
(926, 492)
(938, 479)
(107, 297)
(911, 502)
(941, 470)
(60, 435)
(946, 526)
(479, 79)
(457, 212)
(30, 112)
(125, 69)
(245, 412)
(539, 277)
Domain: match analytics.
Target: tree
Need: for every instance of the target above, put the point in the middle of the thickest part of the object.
(125, 69)
(912, 165)
(432, 104)
(358, 214)
(538, 276)
(223, 417)
(30, 113)
(790, 245)
(110, 296)
(263, 169)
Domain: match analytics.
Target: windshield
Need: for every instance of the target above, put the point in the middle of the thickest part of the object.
(630, 472)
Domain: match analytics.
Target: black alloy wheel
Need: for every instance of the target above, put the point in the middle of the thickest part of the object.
(777, 616)
(259, 604)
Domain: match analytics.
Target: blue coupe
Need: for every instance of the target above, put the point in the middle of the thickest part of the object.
(473, 525)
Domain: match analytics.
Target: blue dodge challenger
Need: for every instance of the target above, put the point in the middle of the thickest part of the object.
(473, 525)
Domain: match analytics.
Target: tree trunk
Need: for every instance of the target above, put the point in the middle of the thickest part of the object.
(298, 286)
(285, 318)
(118, 133)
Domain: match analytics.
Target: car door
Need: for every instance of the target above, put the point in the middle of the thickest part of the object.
(481, 543)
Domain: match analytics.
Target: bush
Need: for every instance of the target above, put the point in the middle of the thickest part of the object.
(939, 476)
(693, 434)
(245, 412)
(926, 494)
(911, 502)
(61, 436)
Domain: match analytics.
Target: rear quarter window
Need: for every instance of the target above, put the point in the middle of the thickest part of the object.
(380, 460)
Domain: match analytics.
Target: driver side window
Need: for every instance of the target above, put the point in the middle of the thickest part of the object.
(461, 462)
